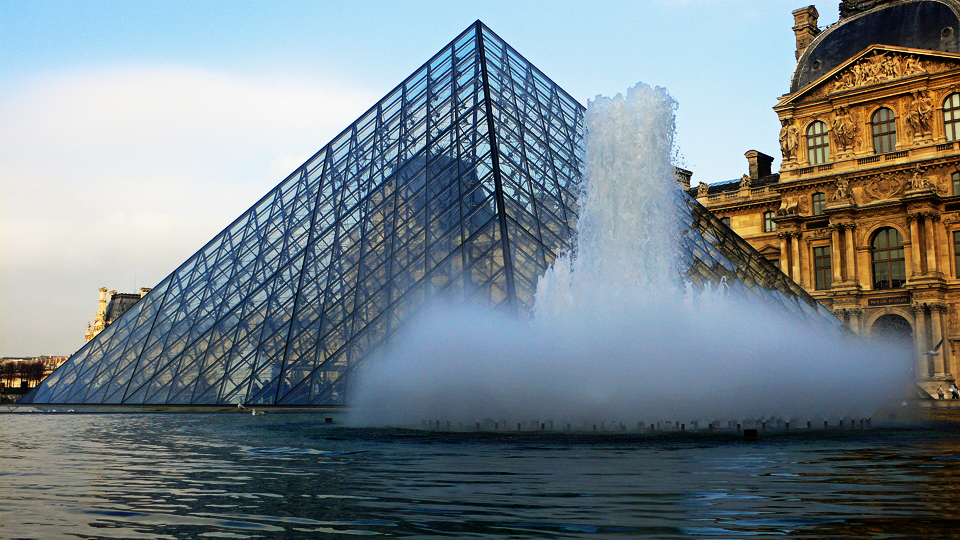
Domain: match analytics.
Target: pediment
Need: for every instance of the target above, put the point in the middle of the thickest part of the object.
(877, 64)
(769, 250)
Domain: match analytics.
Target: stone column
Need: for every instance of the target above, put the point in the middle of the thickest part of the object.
(855, 315)
(931, 244)
(835, 253)
(784, 252)
(936, 327)
(851, 265)
(923, 366)
(914, 244)
(795, 253)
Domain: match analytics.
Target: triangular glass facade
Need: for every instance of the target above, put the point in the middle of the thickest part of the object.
(461, 183)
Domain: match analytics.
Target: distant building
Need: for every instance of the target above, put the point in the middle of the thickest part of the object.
(110, 310)
(15, 371)
(865, 211)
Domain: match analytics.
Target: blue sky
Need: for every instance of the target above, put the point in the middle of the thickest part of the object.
(134, 131)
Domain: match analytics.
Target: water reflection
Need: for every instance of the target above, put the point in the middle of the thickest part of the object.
(238, 476)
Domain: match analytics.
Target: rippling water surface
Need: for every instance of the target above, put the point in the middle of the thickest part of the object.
(292, 476)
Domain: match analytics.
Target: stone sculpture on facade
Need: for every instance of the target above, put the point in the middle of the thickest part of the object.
(702, 189)
(843, 189)
(921, 113)
(918, 182)
(844, 130)
(789, 138)
(745, 182)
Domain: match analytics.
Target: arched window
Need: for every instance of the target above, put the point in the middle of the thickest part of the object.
(884, 127)
(818, 145)
(886, 252)
(951, 117)
(819, 203)
(768, 224)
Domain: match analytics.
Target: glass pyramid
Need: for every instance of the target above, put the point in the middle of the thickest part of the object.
(461, 183)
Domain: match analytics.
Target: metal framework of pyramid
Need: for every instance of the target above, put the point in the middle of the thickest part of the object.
(461, 183)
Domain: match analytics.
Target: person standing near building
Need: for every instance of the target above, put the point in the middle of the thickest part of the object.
(954, 391)
(939, 391)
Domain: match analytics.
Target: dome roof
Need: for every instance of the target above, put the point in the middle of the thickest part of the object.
(917, 24)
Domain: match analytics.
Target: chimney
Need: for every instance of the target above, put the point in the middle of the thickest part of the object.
(760, 164)
(144, 291)
(103, 300)
(683, 177)
(805, 27)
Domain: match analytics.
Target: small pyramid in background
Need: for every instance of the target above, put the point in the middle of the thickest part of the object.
(461, 183)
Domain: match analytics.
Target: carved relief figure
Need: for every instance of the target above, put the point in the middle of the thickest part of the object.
(702, 190)
(744, 182)
(921, 111)
(912, 66)
(843, 189)
(844, 130)
(878, 68)
(789, 138)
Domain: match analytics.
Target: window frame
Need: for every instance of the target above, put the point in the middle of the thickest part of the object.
(818, 143)
(819, 203)
(768, 224)
(951, 117)
(890, 264)
(822, 269)
(884, 131)
(956, 253)
(955, 181)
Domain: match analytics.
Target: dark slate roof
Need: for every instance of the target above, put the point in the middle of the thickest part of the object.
(916, 24)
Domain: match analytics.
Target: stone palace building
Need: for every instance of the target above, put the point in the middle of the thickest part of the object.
(865, 211)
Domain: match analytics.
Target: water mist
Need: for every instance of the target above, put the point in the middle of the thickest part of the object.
(618, 337)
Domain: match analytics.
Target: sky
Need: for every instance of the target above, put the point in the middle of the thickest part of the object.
(133, 132)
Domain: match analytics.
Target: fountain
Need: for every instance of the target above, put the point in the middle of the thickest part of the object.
(622, 333)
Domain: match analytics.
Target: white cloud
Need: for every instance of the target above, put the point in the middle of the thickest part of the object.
(117, 175)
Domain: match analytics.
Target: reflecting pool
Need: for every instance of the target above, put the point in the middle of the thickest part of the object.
(294, 476)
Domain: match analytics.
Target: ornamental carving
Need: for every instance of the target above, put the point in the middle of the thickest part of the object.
(789, 139)
(845, 128)
(702, 190)
(883, 187)
(878, 68)
(852, 7)
(744, 182)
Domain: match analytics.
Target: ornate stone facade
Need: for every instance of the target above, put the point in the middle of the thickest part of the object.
(111, 309)
(845, 226)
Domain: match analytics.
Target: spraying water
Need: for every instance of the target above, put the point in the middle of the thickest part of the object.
(618, 337)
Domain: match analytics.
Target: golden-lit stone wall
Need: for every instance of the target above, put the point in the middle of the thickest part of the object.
(909, 187)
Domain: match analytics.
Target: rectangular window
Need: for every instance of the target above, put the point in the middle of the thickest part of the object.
(819, 203)
(955, 177)
(821, 267)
